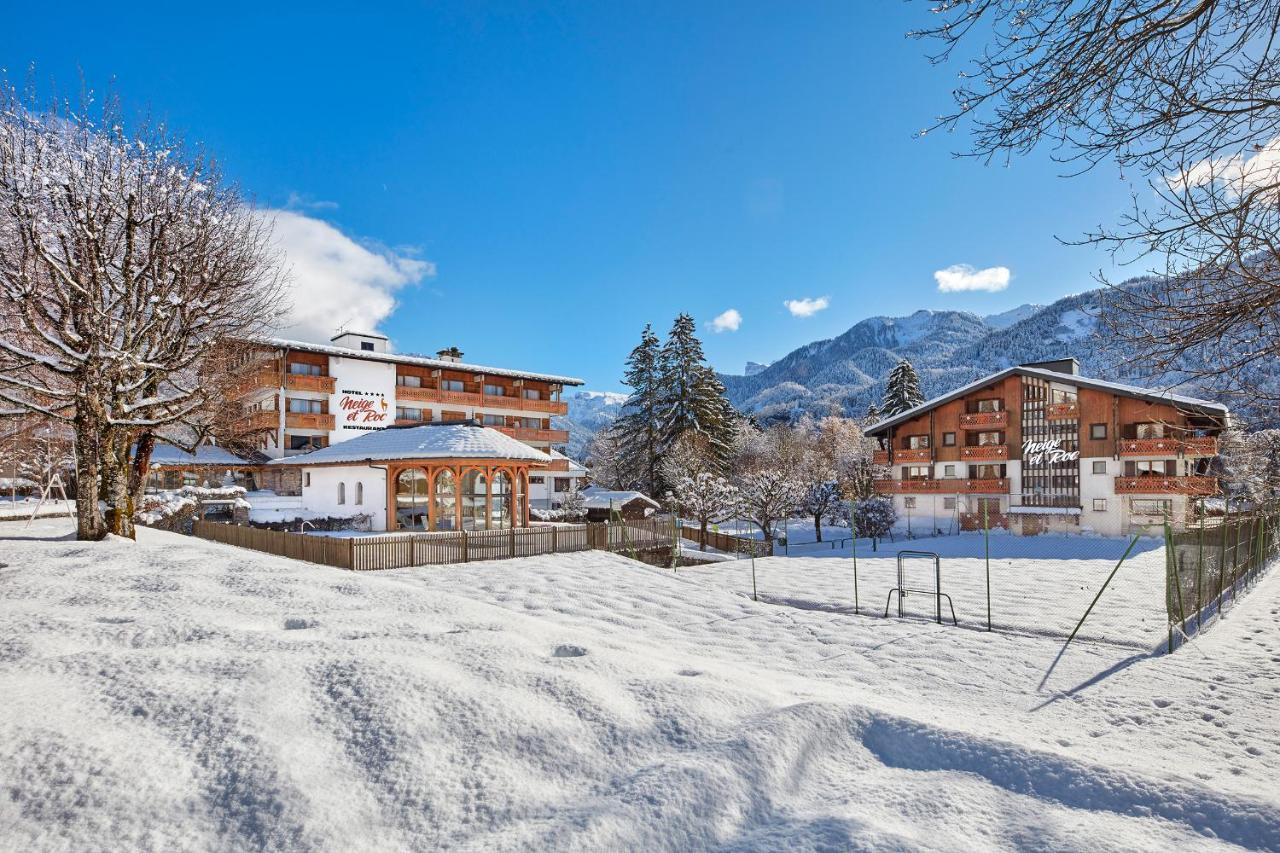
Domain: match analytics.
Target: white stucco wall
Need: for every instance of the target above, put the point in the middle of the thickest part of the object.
(320, 492)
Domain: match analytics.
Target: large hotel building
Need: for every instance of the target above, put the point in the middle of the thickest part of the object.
(298, 397)
(1040, 448)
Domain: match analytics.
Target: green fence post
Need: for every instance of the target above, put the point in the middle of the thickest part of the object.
(754, 595)
(853, 532)
(1172, 550)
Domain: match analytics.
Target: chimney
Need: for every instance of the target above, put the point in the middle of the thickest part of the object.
(451, 354)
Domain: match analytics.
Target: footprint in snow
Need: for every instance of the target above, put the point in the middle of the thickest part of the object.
(1162, 703)
(297, 623)
(691, 673)
(564, 650)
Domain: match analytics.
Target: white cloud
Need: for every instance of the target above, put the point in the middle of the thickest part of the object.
(335, 280)
(807, 307)
(728, 321)
(299, 201)
(1238, 174)
(962, 277)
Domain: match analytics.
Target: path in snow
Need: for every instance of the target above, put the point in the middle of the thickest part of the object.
(176, 693)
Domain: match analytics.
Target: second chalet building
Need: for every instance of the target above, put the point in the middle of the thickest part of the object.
(1038, 448)
(299, 397)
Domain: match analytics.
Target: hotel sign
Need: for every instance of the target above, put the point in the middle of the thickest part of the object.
(363, 410)
(1042, 452)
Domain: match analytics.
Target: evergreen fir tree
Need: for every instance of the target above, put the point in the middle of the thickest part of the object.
(691, 396)
(637, 426)
(903, 391)
(873, 413)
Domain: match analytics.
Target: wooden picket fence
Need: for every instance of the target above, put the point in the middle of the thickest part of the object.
(727, 543)
(639, 538)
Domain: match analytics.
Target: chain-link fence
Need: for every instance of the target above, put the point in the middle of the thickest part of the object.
(1211, 562)
(1029, 570)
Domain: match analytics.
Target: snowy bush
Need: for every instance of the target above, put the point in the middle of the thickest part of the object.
(874, 517)
(705, 498)
(173, 511)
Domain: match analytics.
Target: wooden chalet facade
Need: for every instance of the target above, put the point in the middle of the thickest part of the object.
(1039, 447)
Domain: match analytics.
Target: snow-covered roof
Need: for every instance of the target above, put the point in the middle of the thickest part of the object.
(597, 498)
(1152, 395)
(429, 441)
(421, 361)
(167, 455)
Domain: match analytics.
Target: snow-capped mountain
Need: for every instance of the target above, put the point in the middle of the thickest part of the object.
(589, 411)
(1005, 319)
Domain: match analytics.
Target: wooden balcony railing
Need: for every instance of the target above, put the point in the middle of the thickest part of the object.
(304, 382)
(912, 454)
(1194, 446)
(947, 486)
(879, 457)
(1166, 485)
(307, 420)
(261, 420)
(985, 420)
(490, 401)
(1061, 411)
(551, 436)
(985, 451)
(410, 422)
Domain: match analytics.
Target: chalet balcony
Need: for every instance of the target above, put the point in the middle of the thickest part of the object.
(304, 382)
(307, 420)
(1062, 411)
(946, 486)
(550, 436)
(985, 420)
(985, 452)
(435, 395)
(410, 422)
(551, 407)
(879, 457)
(1166, 485)
(556, 465)
(261, 420)
(1194, 446)
(912, 454)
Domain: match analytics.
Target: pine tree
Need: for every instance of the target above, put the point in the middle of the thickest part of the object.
(636, 428)
(903, 391)
(691, 397)
(873, 413)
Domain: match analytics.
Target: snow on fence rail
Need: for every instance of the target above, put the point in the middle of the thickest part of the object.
(652, 538)
(725, 542)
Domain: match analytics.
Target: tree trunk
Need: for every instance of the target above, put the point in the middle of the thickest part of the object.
(89, 523)
(115, 484)
(817, 526)
(140, 467)
(702, 539)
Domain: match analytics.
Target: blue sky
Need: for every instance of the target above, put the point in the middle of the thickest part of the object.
(533, 182)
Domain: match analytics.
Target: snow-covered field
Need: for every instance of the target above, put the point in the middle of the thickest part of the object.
(22, 509)
(1039, 584)
(180, 694)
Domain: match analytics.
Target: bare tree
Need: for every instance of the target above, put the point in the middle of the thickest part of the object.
(706, 498)
(1182, 94)
(126, 262)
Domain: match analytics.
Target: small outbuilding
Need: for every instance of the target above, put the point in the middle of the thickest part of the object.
(172, 467)
(441, 476)
(601, 503)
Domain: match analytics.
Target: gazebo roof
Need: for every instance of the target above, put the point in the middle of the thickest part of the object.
(429, 441)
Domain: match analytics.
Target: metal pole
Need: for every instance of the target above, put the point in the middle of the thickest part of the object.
(986, 544)
(1200, 578)
(754, 595)
(937, 586)
(853, 532)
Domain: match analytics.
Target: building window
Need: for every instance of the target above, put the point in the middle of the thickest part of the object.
(342, 493)
(916, 472)
(1099, 504)
(306, 478)
(409, 381)
(300, 406)
(446, 501)
(948, 439)
(1151, 468)
(451, 385)
(530, 423)
(1150, 430)
(493, 420)
(411, 500)
(909, 503)
(948, 470)
(495, 390)
(537, 481)
(301, 368)
(1150, 507)
(475, 489)
(1097, 432)
(404, 413)
(532, 394)
(1099, 466)
(917, 442)
(562, 484)
(306, 442)
(994, 405)
(948, 503)
(500, 502)
(990, 438)
(359, 494)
